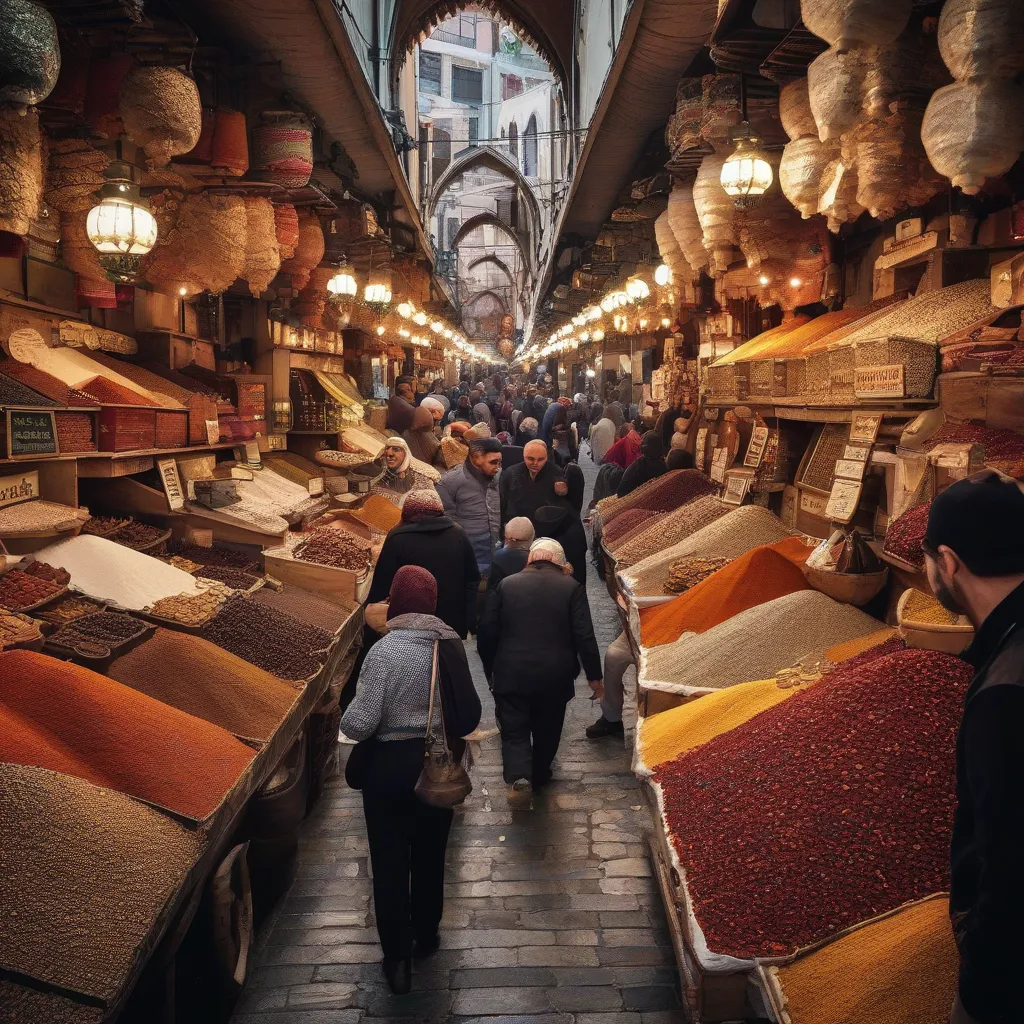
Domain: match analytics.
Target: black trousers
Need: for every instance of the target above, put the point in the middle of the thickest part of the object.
(531, 729)
(407, 847)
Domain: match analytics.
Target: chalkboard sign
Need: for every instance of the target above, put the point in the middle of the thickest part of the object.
(30, 434)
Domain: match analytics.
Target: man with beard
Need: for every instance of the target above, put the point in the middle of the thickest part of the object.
(470, 496)
(974, 560)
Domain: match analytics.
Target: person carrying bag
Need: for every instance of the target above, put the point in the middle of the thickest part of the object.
(409, 782)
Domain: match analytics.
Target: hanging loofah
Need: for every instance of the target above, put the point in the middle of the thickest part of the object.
(161, 112)
(982, 38)
(671, 254)
(77, 253)
(974, 130)
(75, 174)
(262, 255)
(834, 84)
(21, 169)
(205, 251)
(229, 153)
(309, 251)
(716, 213)
(29, 54)
(803, 163)
(848, 24)
(103, 95)
(837, 194)
(286, 222)
(795, 110)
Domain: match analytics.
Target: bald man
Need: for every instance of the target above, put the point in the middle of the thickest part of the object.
(507, 561)
(536, 482)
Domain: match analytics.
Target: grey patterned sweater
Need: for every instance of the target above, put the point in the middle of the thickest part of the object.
(393, 693)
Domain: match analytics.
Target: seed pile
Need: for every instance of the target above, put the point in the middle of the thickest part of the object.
(904, 536)
(821, 467)
(305, 606)
(104, 526)
(236, 579)
(761, 575)
(622, 526)
(216, 556)
(111, 735)
(688, 572)
(825, 811)
(29, 1004)
(31, 516)
(756, 643)
(20, 590)
(74, 432)
(669, 529)
(343, 550)
(271, 640)
(13, 392)
(16, 628)
(105, 629)
(926, 610)
(51, 573)
(1000, 445)
(332, 457)
(139, 535)
(86, 873)
(900, 970)
(66, 608)
(201, 679)
(191, 609)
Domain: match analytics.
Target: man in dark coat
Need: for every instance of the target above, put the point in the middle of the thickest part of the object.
(534, 482)
(974, 559)
(428, 538)
(507, 561)
(651, 464)
(562, 523)
(541, 621)
(471, 498)
(400, 408)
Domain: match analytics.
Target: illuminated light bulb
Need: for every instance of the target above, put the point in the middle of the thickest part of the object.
(637, 289)
(795, 282)
(607, 303)
(763, 279)
(343, 285)
(448, 332)
(183, 291)
(663, 276)
(585, 336)
(599, 335)
(746, 175)
(420, 319)
(403, 333)
(120, 226)
(380, 330)
(665, 322)
(643, 324)
(405, 309)
(437, 327)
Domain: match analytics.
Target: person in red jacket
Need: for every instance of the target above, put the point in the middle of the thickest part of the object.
(626, 450)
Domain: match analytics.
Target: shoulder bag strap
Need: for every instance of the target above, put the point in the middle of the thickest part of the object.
(430, 710)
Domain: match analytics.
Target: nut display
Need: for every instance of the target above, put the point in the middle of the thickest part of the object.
(236, 579)
(191, 609)
(138, 536)
(215, 556)
(104, 526)
(337, 548)
(104, 629)
(66, 608)
(688, 572)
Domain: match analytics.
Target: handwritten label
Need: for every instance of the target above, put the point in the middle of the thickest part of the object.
(842, 502)
(857, 452)
(848, 469)
(813, 504)
(879, 381)
(30, 434)
(736, 488)
(172, 483)
(702, 440)
(755, 450)
(719, 464)
(18, 488)
(252, 453)
(316, 485)
(865, 426)
(212, 431)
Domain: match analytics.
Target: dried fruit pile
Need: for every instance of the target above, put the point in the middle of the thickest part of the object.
(51, 573)
(271, 640)
(824, 811)
(20, 590)
(106, 629)
(216, 556)
(688, 572)
(66, 608)
(236, 579)
(138, 536)
(104, 526)
(904, 536)
(1000, 445)
(343, 550)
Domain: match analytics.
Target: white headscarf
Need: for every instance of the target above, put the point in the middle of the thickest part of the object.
(432, 404)
(547, 550)
(400, 442)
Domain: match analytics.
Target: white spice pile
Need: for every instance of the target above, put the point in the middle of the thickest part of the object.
(271, 493)
(730, 536)
(755, 644)
(111, 572)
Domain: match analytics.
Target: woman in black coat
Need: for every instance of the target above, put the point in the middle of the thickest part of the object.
(428, 538)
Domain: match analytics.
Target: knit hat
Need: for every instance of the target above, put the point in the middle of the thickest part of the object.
(520, 529)
(528, 426)
(980, 519)
(412, 590)
(479, 445)
(547, 550)
(477, 430)
(421, 504)
(458, 428)
(504, 437)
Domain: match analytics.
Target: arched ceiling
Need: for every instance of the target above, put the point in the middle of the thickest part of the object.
(547, 25)
(482, 220)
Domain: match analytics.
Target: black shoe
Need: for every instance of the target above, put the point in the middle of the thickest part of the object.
(399, 975)
(602, 727)
(426, 947)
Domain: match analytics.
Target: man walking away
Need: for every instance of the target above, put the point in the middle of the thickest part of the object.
(470, 496)
(651, 464)
(974, 559)
(562, 523)
(541, 622)
(507, 561)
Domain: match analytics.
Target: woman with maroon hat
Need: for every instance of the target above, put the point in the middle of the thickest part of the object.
(388, 715)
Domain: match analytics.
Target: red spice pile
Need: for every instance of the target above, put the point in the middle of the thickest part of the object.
(1000, 445)
(904, 536)
(109, 392)
(627, 521)
(20, 590)
(823, 811)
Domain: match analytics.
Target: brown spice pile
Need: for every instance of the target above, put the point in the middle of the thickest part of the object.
(236, 579)
(305, 606)
(688, 572)
(216, 556)
(138, 535)
(106, 629)
(336, 548)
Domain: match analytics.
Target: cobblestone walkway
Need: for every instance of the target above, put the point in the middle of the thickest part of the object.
(551, 914)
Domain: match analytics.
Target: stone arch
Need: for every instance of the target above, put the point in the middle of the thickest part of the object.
(482, 220)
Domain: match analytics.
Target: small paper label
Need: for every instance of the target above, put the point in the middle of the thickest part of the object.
(172, 483)
(865, 426)
(212, 431)
(316, 485)
(842, 502)
(848, 469)
(755, 450)
(879, 381)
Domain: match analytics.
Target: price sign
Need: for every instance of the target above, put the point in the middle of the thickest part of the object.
(15, 489)
(842, 502)
(848, 469)
(702, 441)
(857, 453)
(864, 428)
(31, 434)
(316, 485)
(736, 488)
(719, 464)
(755, 450)
(172, 483)
(212, 432)
(879, 381)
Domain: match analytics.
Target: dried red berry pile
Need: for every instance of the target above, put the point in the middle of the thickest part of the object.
(904, 536)
(45, 571)
(20, 590)
(823, 811)
(1000, 445)
(626, 522)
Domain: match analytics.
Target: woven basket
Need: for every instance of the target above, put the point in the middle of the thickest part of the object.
(309, 251)
(834, 83)
(982, 38)
(202, 152)
(103, 94)
(95, 293)
(262, 255)
(795, 110)
(837, 194)
(286, 224)
(850, 588)
(75, 173)
(803, 163)
(918, 359)
(161, 112)
(683, 129)
(716, 213)
(21, 169)
(846, 24)
(282, 149)
(229, 148)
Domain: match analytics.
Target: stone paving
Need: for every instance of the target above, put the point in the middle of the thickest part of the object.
(551, 914)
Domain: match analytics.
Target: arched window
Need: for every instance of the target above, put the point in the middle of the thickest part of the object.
(513, 141)
(442, 151)
(530, 148)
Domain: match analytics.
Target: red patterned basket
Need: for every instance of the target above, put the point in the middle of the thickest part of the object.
(282, 149)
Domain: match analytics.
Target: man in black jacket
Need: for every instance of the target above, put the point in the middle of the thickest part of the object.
(974, 558)
(534, 482)
(562, 523)
(541, 623)
(507, 561)
(428, 538)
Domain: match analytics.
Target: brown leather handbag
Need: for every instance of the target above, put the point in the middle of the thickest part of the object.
(443, 782)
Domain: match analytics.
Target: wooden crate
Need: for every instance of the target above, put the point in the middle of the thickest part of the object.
(332, 583)
(124, 428)
(919, 360)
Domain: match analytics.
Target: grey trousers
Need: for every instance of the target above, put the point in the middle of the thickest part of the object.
(617, 659)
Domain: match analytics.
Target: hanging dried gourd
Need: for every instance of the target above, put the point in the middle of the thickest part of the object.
(834, 82)
(848, 24)
(29, 54)
(795, 110)
(309, 251)
(21, 169)
(262, 255)
(161, 112)
(685, 224)
(671, 254)
(805, 156)
(75, 173)
(716, 213)
(837, 193)
(286, 222)
(982, 38)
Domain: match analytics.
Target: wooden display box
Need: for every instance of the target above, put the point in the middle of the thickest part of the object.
(340, 585)
(125, 428)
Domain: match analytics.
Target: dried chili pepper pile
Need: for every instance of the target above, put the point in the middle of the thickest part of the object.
(824, 811)
(904, 536)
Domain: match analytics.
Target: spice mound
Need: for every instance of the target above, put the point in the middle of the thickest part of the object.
(668, 529)
(688, 572)
(305, 606)
(215, 556)
(139, 536)
(87, 871)
(236, 579)
(20, 590)
(110, 735)
(926, 610)
(905, 534)
(824, 811)
(337, 548)
(271, 640)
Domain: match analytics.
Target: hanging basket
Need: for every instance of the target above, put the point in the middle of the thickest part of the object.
(309, 251)
(800, 172)
(286, 225)
(161, 112)
(837, 194)
(29, 54)
(685, 224)
(312, 300)
(716, 213)
(229, 150)
(282, 149)
(21, 169)
(95, 293)
(262, 255)
(982, 38)
(795, 110)
(847, 24)
(75, 174)
(834, 82)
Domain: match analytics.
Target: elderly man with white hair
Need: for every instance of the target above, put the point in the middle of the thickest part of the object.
(506, 561)
(535, 482)
(540, 624)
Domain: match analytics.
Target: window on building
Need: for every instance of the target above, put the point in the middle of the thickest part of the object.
(530, 148)
(442, 150)
(511, 85)
(474, 130)
(467, 85)
(513, 141)
(453, 230)
(430, 72)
